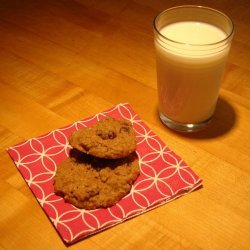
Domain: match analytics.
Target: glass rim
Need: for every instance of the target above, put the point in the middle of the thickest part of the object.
(197, 7)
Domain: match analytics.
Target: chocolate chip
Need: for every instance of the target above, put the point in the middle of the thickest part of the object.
(84, 147)
(111, 135)
(124, 129)
(106, 136)
(99, 132)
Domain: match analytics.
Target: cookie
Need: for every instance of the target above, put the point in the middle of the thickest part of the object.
(90, 183)
(108, 138)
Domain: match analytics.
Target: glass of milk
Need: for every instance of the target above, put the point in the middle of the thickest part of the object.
(192, 45)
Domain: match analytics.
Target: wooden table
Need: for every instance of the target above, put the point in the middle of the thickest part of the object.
(62, 61)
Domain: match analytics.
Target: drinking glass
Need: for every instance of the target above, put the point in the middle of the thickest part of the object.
(192, 45)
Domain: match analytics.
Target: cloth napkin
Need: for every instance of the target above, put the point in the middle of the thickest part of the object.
(164, 176)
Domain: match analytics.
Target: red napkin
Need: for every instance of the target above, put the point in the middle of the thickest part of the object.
(164, 176)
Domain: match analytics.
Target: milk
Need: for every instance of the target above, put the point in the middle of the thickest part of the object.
(190, 70)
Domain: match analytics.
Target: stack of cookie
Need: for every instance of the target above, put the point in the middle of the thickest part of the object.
(102, 165)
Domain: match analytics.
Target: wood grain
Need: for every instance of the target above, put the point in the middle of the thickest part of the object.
(64, 60)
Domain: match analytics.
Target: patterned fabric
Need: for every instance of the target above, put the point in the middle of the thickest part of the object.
(164, 177)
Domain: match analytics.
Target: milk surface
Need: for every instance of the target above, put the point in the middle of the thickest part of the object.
(193, 33)
(190, 70)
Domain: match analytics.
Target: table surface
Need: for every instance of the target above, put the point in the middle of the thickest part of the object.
(62, 61)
